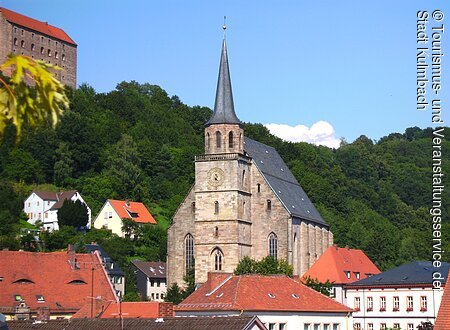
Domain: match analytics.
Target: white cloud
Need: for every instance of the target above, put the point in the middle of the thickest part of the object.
(320, 133)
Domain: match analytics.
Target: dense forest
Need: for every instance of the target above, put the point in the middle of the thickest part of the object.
(137, 142)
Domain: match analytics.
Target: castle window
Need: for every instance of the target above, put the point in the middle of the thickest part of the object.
(218, 139)
(208, 141)
(258, 187)
(269, 205)
(21, 32)
(42, 50)
(49, 53)
(240, 139)
(56, 55)
(193, 207)
(15, 30)
(189, 252)
(22, 44)
(217, 256)
(243, 208)
(15, 41)
(32, 36)
(32, 47)
(216, 231)
(216, 207)
(64, 57)
(243, 177)
(273, 245)
(230, 140)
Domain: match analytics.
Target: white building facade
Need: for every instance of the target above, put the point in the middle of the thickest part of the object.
(43, 206)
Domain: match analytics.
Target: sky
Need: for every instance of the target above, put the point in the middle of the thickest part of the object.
(314, 71)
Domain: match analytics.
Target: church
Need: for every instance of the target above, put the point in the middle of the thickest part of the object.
(245, 202)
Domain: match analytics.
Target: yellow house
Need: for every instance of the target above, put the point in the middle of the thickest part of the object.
(113, 213)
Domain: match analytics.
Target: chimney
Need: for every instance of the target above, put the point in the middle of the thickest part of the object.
(127, 202)
(165, 310)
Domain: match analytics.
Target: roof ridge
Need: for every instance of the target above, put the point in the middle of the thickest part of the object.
(219, 286)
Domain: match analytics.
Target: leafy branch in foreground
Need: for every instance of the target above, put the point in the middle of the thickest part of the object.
(20, 103)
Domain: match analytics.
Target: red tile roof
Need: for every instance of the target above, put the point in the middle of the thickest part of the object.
(443, 317)
(108, 310)
(30, 274)
(36, 25)
(335, 262)
(258, 293)
(132, 210)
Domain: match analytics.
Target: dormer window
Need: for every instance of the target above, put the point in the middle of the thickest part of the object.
(357, 275)
(40, 298)
(347, 273)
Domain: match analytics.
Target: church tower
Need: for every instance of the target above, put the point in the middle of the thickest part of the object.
(222, 202)
(245, 202)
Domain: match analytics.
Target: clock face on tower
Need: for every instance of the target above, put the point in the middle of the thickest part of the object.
(216, 176)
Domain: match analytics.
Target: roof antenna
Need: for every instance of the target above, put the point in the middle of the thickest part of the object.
(224, 27)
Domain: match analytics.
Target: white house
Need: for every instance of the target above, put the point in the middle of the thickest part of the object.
(113, 212)
(43, 206)
(280, 302)
(151, 279)
(401, 297)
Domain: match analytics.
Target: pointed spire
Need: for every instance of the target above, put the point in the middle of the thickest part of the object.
(224, 106)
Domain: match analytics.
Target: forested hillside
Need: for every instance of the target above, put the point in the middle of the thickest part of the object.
(136, 142)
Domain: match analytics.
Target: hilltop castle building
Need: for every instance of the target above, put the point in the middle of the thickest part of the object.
(23, 35)
(245, 202)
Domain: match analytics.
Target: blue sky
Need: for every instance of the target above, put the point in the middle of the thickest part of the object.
(351, 64)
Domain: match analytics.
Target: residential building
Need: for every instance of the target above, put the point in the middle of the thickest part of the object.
(151, 279)
(126, 310)
(115, 273)
(38, 285)
(174, 323)
(24, 35)
(401, 297)
(43, 206)
(443, 317)
(113, 213)
(245, 202)
(341, 266)
(279, 302)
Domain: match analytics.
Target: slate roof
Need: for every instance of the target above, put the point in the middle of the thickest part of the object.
(177, 323)
(275, 293)
(224, 106)
(443, 317)
(36, 25)
(417, 272)
(61, 278)
(112, 268)
(61, 197)
(335, 262)
(283, 183)
(132, 210)
(151, 269)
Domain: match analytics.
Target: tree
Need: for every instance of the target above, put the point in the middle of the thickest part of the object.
(22, 104)
(74, 214)
(63, 167)
(266, 266)
(174, 294)
(323, 288)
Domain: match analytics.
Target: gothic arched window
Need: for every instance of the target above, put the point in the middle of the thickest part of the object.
(273, 245)
(217, 259)
(218, 139)
(230, 140)
(208, 141)
(189, 252)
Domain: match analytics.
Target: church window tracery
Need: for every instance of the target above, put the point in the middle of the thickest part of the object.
(217, 256)
(189, 252)
(273, 245)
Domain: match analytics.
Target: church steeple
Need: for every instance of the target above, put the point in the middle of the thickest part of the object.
(224, 105)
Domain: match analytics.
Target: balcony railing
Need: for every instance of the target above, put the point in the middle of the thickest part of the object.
(231, 156)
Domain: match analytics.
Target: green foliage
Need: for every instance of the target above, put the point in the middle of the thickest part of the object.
(22, 104)
(74, 214)
(174, 294)
(266, 266)
(314, 283)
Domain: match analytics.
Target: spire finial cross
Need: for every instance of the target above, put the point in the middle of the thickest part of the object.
(224, 27)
